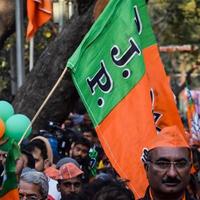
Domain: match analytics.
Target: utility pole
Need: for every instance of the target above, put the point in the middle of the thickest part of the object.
(19, 42)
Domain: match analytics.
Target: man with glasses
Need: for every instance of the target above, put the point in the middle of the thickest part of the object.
(33, 185)
(167, 162)
(69, 180)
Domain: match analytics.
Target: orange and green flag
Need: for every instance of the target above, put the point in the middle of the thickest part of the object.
(39, 12)
(9, 152)
(164, 107)
(120, 77)
(109, 72)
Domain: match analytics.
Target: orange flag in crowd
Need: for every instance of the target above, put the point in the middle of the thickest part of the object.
(163, 100)
(39, 12)
(109, 72)
(113, 69)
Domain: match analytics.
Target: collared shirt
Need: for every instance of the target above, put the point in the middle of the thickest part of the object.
(148, 196)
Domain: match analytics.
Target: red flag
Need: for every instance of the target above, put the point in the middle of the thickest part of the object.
(39, 12)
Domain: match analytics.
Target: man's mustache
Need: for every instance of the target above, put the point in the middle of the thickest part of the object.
(171, 180)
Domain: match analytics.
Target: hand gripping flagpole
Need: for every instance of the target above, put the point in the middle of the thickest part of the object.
(43, 104)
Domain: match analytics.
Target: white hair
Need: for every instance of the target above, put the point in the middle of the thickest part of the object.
(37, 178)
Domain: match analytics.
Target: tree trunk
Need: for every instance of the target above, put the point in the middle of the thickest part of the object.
(7, 19)
(46, 72)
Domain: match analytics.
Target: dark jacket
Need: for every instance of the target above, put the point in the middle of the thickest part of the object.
(147, 196)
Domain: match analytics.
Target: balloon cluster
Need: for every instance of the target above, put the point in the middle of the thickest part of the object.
(12, 125)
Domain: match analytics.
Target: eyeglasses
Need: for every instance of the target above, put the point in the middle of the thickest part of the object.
(164, 164)
(28, 197)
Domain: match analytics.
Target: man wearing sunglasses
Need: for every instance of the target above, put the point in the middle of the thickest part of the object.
(167, 161)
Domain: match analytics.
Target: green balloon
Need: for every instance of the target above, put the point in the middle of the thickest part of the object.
(6, 110)
(16, 126)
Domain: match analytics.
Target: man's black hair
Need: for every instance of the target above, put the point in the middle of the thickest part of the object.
(108, 189)
(116, 191)
(30, 159)
(83, 141)
(37, 143)
(88, 128)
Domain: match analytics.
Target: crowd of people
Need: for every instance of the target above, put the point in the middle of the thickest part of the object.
(54, 166)
(67, 162)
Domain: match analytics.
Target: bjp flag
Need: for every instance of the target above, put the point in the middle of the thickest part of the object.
(109, 72)
(39, 12)
(164, 107)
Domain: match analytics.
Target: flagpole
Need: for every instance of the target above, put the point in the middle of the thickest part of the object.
(43, 104)
(31, 54)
